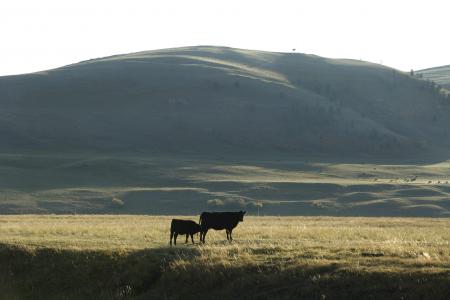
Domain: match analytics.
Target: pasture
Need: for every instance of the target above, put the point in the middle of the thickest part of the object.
(128, 257)
(153, 185)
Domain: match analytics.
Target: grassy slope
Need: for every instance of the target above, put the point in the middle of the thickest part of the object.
(166, 185)
(222, 100)
(182, 130)
(121, 257)
(440, 75)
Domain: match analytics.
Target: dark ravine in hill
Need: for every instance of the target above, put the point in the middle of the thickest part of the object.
(203, 100)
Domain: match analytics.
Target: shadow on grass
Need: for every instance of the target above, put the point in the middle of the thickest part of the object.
(84, 274)
(182, 273)
(330, 281)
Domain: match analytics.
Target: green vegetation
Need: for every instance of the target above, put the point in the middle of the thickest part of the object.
(127, 257)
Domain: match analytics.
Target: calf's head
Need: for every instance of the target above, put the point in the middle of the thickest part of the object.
(197, 229)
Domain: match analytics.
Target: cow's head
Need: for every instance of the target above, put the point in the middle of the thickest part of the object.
(241, 215)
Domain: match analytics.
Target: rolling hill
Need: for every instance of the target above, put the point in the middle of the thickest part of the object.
(440, 75)
(203, 100)
(178, 131)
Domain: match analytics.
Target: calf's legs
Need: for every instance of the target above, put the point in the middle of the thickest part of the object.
(174, 235)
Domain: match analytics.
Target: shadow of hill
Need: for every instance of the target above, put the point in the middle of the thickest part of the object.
(83, 274)
(155, 274)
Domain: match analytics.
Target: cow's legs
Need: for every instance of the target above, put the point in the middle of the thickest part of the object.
(228, 232)
(175, 238)
(171, 236)
(187, 236)
(204, 235)
(231, 230)
(192, 238)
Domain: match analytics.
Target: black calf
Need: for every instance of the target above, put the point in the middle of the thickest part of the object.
(187, 227)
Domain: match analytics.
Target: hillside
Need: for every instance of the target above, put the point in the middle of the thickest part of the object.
(156, 185)
(203, 100)
(179, 131)
(440, 75)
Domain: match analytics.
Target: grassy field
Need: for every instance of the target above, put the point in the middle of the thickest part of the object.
(155, 185)
(122, 257)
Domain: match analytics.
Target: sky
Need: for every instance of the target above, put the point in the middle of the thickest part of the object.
(44, 34)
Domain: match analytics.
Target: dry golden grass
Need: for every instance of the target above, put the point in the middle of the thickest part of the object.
(418, 241)
(267, 256)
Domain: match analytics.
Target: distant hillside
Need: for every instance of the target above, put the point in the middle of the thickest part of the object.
(220, 101)
(180, 131)
(440, 75)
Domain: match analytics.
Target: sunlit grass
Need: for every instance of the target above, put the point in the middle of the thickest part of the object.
(124, 253)
(326, 238)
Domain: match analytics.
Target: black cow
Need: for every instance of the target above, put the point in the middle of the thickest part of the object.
(220, 221)
(187, 227)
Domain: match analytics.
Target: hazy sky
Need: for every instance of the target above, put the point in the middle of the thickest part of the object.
(38, 35)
